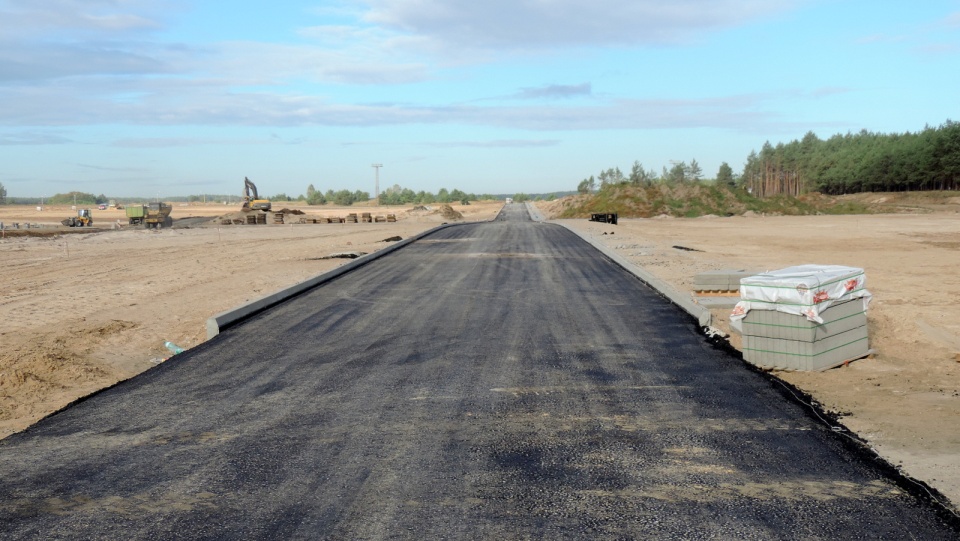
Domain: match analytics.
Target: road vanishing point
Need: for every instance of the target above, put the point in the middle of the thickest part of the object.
(498, 380)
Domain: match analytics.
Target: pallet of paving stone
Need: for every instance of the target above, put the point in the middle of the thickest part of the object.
(782, 341)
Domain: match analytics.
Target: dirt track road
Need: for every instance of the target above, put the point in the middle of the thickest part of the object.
(477, 384)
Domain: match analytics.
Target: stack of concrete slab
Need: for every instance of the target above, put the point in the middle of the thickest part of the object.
(720, 281)
(809, 317)
(776, 340)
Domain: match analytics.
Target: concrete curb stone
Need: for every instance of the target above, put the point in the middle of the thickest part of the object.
(225, 319)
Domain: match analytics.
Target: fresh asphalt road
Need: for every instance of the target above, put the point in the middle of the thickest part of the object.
(490, 381)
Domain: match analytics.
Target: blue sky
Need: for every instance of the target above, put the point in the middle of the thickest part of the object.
(180, 97)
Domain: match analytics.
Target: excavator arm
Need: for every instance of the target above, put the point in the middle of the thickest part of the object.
(250, 187)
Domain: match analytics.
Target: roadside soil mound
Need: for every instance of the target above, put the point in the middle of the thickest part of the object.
(449, 214)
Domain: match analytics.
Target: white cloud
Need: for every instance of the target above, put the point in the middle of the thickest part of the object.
(215, 106)
(828, 91)
(114, 79)
(32, 138)
(112, 169)
(42, 40)
(555, 92)
(61, 17)
(544, 24)
(265, 63)
(937, 49)
(499, 143)
(952, 20)
(37, 62)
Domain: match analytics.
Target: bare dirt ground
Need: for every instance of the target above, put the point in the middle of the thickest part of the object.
(906, 399)
(81, 312)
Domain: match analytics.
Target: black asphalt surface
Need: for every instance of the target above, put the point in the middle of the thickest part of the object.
(491, 381)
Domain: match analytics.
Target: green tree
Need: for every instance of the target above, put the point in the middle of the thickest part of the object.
(694, 171)
(678, 173)
(639, 176)
(3, 195)
(80, 198)
(341, 197)
(360, 195)
(315, 196)
(611, 177)
(725, 175)
(520, 198)
(408, 196)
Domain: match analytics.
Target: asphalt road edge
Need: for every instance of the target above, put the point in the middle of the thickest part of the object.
(225, 319)
(684, 302)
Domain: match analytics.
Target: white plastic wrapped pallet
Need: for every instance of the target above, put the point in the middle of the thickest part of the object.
(804, 290)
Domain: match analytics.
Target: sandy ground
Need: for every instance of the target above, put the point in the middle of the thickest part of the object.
(81, 312)
(905, 400)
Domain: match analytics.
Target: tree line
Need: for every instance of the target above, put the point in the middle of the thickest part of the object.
(680, 172)
(861, 162)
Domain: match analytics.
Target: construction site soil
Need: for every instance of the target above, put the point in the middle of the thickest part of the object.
(83, 311)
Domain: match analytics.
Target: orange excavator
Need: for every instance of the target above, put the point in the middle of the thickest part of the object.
(251, 200)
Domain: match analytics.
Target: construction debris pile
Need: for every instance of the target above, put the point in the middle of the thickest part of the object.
(296, 216)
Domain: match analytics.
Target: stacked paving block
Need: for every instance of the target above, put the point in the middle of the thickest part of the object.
(808, 317)
(781, 341)
(720, 281)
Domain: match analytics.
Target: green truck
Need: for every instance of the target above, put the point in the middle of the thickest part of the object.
(150, 215)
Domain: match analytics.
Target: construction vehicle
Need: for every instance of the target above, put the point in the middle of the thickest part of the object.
(82, 219)
(251, 200)
(150, 215)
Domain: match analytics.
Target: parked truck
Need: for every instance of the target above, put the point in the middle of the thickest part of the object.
(150, 215)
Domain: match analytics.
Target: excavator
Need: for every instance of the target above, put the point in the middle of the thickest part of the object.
(252, 199)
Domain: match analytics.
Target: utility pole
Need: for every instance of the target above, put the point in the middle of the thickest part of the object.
(376, 189)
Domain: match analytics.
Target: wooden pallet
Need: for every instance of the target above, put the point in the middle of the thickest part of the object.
(716, 293)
